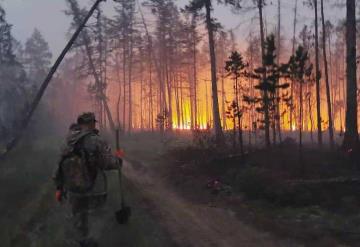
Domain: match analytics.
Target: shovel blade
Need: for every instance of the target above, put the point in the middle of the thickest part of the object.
(123, 215)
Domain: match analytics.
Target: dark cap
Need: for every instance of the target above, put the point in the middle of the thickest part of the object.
(86, 118)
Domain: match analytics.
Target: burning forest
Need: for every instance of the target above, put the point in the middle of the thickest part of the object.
(248, 106)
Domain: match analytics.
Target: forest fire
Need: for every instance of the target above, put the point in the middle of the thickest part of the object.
(135, 76)
(230, 116)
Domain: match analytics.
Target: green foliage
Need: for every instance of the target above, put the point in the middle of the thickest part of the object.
(196, 6)
(6, 40)
(37, 59)
(235, 65)
(268, 77)
(299, 66)
(233, 111)
(13, 83)
(162, 121)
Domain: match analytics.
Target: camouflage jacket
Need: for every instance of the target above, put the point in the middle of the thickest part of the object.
(98, 151)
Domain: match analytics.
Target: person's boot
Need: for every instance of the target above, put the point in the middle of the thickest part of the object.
(88, 243)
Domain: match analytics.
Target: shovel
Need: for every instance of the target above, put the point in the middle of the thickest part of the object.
(123, 215)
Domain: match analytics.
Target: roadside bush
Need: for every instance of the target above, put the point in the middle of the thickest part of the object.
(256, 183)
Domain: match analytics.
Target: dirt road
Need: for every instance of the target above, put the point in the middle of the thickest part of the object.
(190, 224)
(160, 218)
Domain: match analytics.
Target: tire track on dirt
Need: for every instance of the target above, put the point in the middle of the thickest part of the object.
(193, 225)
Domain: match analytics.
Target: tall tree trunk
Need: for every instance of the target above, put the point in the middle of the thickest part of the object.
(141, 92)
(169, 94)
(151, 104)
(195, 81)
(124, 85)
(317, 72)
(223, 97)
(216, 115)
(265, 94)
(119, 93)
(278, 117)
(89, 54)
(293, 51)
(351, 138)
(130, 84)
(327, 83)
(311, 119)
(237, 96)
(332, 86)
(301, 116)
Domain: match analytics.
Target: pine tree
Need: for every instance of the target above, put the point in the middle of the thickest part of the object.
(195, 6)
(268, 77)
(37, 58)
(300, 70)
(13, 84)
(235, 67)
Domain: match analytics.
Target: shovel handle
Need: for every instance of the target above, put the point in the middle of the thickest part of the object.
(117, 138)
(122, 199)
(117, 142)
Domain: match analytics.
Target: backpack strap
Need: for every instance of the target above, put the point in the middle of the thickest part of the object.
(59, 175)
(78, 147)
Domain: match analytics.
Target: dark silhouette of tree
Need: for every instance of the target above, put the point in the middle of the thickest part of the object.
(85, 42)
(195, 6)
(260, 5)
(351, 138)
(235, 67)
(268, 77)
(300, 70)
(37, 58)
(327, 83)
(14, 93)
(314, 4)
(124, 34)
(233, 114)
(293, 41)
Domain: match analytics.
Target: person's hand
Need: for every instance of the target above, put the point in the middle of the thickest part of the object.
(119, 153)
(58, 195)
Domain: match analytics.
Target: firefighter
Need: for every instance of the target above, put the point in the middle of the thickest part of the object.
(84, 155)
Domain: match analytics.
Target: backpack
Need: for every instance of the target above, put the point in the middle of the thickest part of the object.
(77, 173)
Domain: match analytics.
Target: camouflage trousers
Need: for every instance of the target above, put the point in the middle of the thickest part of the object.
(79, 229)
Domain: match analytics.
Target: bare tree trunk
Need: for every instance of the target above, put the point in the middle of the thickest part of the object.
(151, 112)
(89, 54)
(332, 86)
(328, 97)
(124, 85)
(317, 75)
(311, 120)
(301, 116)
(265, 94)
(177, 103)
(222, 75)
(169, 89)
(351, 138)
(130, 85)
(119, 93)
(195, 79)
(241, 142)
(293, 52)
(216, 115)
(278, 117)
(141, 93)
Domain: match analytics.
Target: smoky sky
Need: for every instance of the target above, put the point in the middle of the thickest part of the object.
(48, 16)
